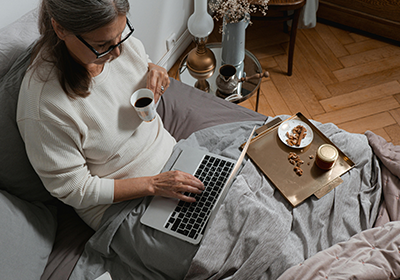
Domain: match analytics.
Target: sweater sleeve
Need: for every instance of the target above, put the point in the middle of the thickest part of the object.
(58, 159)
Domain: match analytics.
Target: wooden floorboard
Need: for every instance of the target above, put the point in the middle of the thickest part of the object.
(339, 76)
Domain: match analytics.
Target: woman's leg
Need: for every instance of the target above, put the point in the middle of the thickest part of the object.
(185, 109)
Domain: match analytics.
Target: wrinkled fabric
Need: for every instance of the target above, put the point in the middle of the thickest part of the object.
(129, 250)
(371, 254)
(389, 156)
(258, 235)
(374, 253)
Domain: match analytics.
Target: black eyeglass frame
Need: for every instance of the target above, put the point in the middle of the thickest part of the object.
(111, 48)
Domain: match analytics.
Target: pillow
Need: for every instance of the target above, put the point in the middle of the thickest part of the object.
(17, 176)
(15, 38)
(27, 234)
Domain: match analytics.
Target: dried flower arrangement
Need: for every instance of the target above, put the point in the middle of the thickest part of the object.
(236, 10)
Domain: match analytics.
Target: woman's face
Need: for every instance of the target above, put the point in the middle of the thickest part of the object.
(100, 39)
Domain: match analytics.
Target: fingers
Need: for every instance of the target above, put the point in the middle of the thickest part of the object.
(185, 197)
(185, 182)
(157, 80)
(176, 183)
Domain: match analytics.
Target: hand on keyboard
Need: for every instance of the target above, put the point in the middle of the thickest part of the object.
(189, 219)
(175, 184)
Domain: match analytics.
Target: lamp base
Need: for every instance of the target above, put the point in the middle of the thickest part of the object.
(203, 85)
(201, 63)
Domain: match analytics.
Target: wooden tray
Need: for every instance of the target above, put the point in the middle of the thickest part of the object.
(270, 154)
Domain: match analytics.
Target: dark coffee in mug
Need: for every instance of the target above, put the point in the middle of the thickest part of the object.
(143, 102)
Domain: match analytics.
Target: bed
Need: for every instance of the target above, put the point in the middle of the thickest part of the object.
(350, 233)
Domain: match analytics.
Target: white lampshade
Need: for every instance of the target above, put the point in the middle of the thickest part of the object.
(200, 23)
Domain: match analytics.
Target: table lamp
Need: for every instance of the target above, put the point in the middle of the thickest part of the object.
(201, 60)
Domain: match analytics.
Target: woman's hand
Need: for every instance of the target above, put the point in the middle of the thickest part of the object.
(175, 183)
(157, 80)
(168, 184)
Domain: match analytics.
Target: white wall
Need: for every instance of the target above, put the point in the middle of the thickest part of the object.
(14, 9)
(154, 21)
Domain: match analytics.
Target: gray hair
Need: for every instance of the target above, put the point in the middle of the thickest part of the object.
(82, 16)
(78, 17)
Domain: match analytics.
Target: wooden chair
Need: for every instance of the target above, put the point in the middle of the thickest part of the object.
(283, 10)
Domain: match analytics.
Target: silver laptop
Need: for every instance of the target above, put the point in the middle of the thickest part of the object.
(188, 221)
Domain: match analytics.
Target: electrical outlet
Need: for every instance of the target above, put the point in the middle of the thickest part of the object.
(171, 41)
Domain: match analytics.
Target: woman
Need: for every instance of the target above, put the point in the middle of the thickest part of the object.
(82, 136)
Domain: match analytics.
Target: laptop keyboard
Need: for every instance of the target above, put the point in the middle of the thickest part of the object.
(188, 218)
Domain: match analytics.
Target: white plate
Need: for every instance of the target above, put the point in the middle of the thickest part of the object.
(288, 125)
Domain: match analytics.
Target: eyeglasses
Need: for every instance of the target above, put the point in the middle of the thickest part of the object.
(125, 35)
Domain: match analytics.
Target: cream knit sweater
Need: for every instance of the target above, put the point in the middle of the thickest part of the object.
(79, 146)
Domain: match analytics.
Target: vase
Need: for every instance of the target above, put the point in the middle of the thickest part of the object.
(233, 41)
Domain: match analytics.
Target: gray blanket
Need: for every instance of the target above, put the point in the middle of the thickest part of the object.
(389, 155)
(256, 234)
(374, 253)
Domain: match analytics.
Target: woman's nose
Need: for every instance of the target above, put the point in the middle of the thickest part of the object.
(116, 52)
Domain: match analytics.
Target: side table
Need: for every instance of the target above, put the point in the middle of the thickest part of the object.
(251, 66)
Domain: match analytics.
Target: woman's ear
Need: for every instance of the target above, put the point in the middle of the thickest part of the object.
(60, 31)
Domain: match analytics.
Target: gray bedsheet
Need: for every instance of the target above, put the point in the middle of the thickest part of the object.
(256, 234)
(374, 253)
(389, 156)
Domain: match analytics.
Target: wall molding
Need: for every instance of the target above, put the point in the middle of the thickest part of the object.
(378, 17)
(171, 56)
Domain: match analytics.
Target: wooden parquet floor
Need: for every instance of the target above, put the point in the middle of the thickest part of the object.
(339, 76)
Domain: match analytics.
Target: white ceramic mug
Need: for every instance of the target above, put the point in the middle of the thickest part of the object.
(143, 102)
